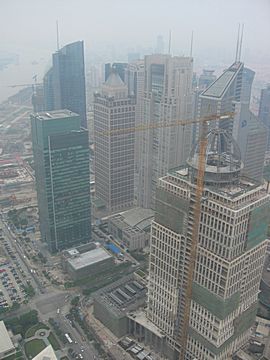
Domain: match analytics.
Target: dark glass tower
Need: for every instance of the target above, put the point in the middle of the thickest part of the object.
(61, 158)
(64, 83)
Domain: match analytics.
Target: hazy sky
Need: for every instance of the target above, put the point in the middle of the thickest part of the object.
(28, 26)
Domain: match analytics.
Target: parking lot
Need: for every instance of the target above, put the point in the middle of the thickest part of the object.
(12, 288)
(13, 278)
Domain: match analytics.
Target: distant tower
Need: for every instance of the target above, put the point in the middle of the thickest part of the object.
(160, 45)
(119, 68)
(206, 79)
(64, 83)
(114, 110)
(264, 110)
(61, 160)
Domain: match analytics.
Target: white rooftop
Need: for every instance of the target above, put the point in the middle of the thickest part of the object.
(88, 258)
(139, 217)
(5, 341)
(46, 354)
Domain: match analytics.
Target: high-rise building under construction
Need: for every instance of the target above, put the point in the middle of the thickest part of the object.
(231, 247)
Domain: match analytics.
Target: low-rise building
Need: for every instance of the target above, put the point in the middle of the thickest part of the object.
(132, 227)
(7, 347)
(113, 303)
(79, 262)
(46, 354)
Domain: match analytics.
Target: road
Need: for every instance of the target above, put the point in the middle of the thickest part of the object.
(79, 345)
(38, 287)
(51, 302)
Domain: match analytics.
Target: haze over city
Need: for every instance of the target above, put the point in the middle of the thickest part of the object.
(134, 180)
(111, 29)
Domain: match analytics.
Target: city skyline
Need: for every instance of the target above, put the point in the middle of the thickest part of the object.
(135, 179)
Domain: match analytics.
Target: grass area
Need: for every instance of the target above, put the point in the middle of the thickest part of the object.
(31, 332)
(17, 356)
(141, 273)
(34, 347)
(53, 341)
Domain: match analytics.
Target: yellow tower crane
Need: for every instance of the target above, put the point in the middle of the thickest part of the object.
(197, 205)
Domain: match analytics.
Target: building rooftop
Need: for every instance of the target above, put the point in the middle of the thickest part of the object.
(137, 217)
(88, 258)
(218, 87)
(141, 319)
(5, 341)
(228, 191)
(46, 354)
(123, 295)
(56, 114)
(114, 80)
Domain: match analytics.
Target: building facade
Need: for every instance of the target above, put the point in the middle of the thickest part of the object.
(247, 81)
(230, 254)
(220, 96)
(251, 135)
(64, 83)
(114, 111)
(131, 228)
(119, 68)
(206, 79)
(167, 98)
(61, 160)
(135, 82)
(264, 110)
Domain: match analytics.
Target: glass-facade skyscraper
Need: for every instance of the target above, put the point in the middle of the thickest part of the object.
(61, 159)
(64, 83)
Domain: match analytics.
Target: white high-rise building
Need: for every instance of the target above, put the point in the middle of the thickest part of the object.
(231, 248)
(135, 82)
(114, 111)
(167, 98)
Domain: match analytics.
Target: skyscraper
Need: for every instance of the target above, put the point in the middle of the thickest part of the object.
(230, 254)
(206, 79)
(114, 111)
(64, 83)
(247, 81)
(251, 136)
(118, 67)
(135, 83)
(61, 160)
(159, 45)
(264, 110)
(220, 96)
(167, 98)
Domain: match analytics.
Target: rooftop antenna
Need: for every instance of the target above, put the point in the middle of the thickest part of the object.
(170, 40)
(57, 36)
(191, 44)
(241, 42)
(237, 44)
